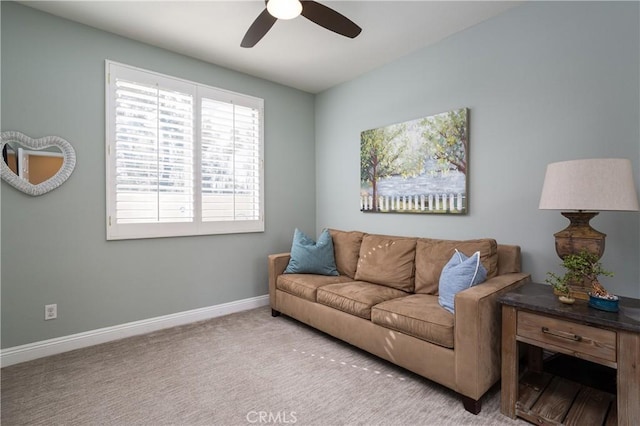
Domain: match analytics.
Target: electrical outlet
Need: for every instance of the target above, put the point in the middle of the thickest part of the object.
(50, 312)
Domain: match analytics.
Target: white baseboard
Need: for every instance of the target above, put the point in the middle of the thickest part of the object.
(30, 351)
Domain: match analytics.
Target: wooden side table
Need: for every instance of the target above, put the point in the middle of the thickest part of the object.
(533, 315)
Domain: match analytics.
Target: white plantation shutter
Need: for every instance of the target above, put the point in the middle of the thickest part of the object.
(182, 158)
(154, 154)
(230, 161)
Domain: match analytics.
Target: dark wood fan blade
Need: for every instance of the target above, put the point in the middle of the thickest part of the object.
(258, 29)
(329, 18)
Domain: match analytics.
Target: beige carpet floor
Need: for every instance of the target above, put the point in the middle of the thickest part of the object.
(241, 369)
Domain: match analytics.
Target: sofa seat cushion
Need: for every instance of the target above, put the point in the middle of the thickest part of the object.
(306, 285)
(357, 297)
(418, 315)
(432, 255)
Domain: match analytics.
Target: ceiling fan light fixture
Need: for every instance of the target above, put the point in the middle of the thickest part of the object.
(284, 9)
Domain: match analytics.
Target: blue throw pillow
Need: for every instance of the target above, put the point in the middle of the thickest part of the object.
(310, 257)
(460, 273)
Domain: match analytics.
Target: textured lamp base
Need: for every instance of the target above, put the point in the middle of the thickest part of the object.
(579, 236)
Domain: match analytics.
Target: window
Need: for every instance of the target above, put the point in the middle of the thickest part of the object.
(182, 158)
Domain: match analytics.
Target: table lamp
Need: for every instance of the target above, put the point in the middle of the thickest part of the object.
(582, 188)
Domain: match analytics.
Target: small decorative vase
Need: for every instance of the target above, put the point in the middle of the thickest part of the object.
(604, 303)
(566, 299)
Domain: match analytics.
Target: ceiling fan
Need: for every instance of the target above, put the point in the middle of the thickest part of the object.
(289, 9)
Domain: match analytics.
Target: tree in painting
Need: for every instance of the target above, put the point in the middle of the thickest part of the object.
(379, 155)
(446, 138)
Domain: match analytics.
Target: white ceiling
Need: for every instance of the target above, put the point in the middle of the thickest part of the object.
(296, 53)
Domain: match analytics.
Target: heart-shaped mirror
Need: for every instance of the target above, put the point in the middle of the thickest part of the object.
(36, 166)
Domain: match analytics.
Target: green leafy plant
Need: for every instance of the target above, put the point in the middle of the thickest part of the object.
(580, 267)
(559, 283)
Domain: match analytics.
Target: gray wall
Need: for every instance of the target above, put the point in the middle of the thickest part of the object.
(54, 248)
(544, 82)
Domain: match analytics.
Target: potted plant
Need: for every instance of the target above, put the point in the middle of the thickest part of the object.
(561, 285)
(584, 267)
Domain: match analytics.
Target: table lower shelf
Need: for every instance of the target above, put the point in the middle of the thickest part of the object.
(545, 399)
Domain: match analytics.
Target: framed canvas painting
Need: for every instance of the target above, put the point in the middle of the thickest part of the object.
(419, 166)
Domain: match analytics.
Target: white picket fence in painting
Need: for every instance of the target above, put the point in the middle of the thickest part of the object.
(452, 203)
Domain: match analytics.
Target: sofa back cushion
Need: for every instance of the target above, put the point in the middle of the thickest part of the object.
(432, 255)
(509, 259)
(346, 247)
(388, 261)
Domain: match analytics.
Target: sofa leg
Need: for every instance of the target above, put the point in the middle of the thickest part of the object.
(471, 405)
(275, 313)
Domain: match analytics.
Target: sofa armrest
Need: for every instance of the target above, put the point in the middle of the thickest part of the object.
(277, 264)
(478, 331)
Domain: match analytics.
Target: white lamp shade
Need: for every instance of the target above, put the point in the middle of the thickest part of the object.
(284, 9)
(592, 184)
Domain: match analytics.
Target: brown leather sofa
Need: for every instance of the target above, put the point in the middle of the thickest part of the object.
(385, 302)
